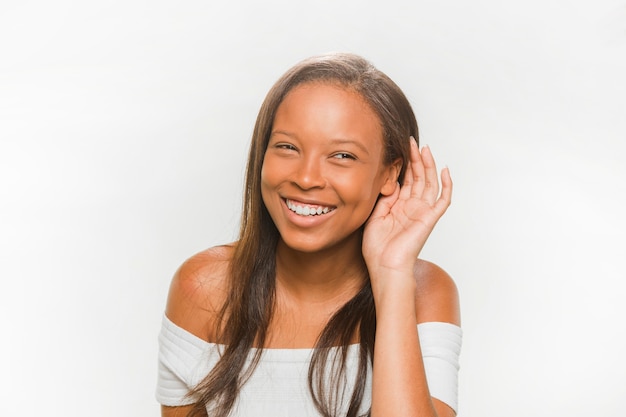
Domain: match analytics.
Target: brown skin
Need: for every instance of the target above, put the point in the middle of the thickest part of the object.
(175, 411)
(198, 288)
(326, 150)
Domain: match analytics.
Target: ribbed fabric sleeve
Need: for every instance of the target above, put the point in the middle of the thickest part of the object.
(182, 358)
(441, 347)
(278, 385)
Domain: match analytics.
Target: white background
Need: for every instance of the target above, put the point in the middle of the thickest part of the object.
(123, 134)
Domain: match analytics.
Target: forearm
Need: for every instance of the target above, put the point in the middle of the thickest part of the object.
(399, 386)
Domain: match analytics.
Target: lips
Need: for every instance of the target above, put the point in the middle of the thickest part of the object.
(303, 209)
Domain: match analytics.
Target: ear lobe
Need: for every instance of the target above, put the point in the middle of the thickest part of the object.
(391, 180)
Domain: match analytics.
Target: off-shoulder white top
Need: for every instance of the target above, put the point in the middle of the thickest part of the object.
(278, 387)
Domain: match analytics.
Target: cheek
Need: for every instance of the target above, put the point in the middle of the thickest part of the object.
(271, 170)
(272, 175)
(267, 174)
(265, 182)
(359, 186)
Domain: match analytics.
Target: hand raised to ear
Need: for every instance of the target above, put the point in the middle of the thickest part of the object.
(401, 222)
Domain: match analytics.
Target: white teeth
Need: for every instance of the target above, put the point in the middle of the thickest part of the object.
(306, 210)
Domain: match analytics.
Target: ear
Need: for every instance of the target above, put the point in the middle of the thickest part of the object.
(391, 177)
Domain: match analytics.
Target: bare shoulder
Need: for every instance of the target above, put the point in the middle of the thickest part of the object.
(437, 294)
(198, 291)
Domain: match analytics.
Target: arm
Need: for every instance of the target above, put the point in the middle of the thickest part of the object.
(198, 290)
(393, 238)
(195, 293)
(398, 365)
(437, 301)
(176, 411)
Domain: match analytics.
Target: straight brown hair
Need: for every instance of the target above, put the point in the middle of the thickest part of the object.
(244, 320)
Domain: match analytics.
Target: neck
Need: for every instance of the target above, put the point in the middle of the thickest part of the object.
(321, 276)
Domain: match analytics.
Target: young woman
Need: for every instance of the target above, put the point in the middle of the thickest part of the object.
(322, 307)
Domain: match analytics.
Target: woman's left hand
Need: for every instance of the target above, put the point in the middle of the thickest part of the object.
(400, 223)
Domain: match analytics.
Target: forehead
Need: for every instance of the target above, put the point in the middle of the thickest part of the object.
(328, 108)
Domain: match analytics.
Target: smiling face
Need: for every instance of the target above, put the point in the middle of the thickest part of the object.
(323, 168)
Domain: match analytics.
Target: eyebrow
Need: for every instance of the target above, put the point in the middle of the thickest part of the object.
(338, 141)
(283, 132)
(352, 142)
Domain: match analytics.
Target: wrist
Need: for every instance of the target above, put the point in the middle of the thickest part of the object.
(393, 289)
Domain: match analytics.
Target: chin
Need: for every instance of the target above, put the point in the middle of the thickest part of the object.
(308, 245)
(303, 245)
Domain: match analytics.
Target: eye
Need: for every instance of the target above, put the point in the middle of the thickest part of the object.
(344, 155)
(286, 146)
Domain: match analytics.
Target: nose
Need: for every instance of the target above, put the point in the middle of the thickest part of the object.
(308, 174)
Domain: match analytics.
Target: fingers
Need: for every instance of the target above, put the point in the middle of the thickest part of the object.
(420, 180)
(413, 184)
(442, 204)
(406, 191)
(431, 182)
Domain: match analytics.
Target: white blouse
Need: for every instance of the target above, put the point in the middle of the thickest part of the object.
(278, 387)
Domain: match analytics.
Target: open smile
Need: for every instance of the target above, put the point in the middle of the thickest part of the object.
(303, 209)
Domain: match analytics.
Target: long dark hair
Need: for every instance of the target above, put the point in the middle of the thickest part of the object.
(244, 319)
